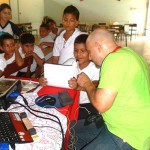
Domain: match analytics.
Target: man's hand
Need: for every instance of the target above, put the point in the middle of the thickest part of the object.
(83, 80)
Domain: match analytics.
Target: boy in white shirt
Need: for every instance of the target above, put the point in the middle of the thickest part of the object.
(54, 31)
(45, 40)
(86, 109)
(83, 64)
(10, 54)
(64, 43)
(29, 48)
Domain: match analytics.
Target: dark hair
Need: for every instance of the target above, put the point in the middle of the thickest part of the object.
(43, 25)
(5, 36)
(3, 6)
(81, 39)
(72, 10)
(51, 20)
(27, 38)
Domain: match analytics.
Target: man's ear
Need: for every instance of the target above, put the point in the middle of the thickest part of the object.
(98, 45)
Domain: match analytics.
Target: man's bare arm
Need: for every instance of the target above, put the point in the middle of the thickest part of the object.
(102, 99)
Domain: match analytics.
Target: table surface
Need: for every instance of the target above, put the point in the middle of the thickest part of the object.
(49, 134)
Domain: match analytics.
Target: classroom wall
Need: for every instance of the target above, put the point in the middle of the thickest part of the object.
(27, 11)
(91, 11)
(95, 11)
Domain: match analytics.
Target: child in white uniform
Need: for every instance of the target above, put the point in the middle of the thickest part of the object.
(54, 30)
(45, 40)
(64, 43)
(10, 52)
(28, 48)
(85, 108)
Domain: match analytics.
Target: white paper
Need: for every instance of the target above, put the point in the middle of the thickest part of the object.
(58, 75)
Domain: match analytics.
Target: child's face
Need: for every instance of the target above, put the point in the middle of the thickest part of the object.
(28, 48)
(69, 22)
(81, 53)
(5, 14)
(43, 32)
(51, 26)
(8, 47)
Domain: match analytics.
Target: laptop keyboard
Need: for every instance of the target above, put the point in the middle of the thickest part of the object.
(8, 133)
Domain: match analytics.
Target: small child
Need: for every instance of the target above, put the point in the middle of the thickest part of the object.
(54, 31)
(64, 43)
(46, 40)
(29, 48)
(83, 64)
(10, 54)
(86, 66)
(6, 26)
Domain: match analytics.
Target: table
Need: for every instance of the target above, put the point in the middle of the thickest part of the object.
(50, 137)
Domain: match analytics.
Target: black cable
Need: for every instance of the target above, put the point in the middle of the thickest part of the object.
(33, 113)
(25, 101)
(42, 117)
(46, 127)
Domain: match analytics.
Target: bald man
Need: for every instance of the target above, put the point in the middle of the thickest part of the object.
(122, 96)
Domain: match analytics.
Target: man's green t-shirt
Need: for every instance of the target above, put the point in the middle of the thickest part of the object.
(127, 73)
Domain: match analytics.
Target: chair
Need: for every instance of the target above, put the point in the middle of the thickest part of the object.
(13, 67)
(82, 27)
(95, 26)
(103, 25)
(117, 30)
(131, 29)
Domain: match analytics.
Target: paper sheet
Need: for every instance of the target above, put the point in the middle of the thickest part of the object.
(58, 75)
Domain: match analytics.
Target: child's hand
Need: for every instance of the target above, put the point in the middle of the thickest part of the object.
(29, 53)
(43, 81)
(73, 83)
(17, 45)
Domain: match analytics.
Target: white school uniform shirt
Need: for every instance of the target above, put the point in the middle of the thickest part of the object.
(36, 50)
(92, 71)
(48, 38)
(6, 62)
(64, 49)
(3, 62)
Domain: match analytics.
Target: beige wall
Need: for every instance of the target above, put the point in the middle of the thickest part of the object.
(4, 1)
(95, 11)
(27, 11)
(91, 11)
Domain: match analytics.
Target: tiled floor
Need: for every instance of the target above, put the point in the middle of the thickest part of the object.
(140, 44)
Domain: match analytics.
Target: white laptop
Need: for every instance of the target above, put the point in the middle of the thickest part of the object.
(58, 75)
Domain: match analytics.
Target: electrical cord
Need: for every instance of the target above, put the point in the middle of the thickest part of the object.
(44, 118)
(46, 127)
(30, 110)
